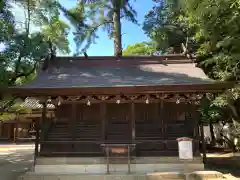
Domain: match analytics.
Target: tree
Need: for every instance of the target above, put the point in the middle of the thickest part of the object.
(217, 30)
(143, 48)
(160, 25)
(25, 49)
(107, 15)
(167, 26)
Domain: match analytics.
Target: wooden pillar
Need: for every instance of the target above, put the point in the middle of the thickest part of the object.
(1, 129)
(16, 128)
(9, 132)
(73, 123)
(12, 133)
(161, 117)
(43, 121)
(203, 142)
(197, 135)
(103, 120)
(37, 138)
(133, 123)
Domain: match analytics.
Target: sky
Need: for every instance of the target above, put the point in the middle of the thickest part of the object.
(104, 46)
(131, 33)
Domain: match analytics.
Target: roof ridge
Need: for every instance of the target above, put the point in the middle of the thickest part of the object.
(181, 56)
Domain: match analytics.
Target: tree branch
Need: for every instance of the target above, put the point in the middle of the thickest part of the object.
(21, 53)
(28, 18)
(234, 110)
(97, 26)
(22, 74)
(5, 106)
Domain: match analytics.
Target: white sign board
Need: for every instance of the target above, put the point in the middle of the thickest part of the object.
(185, 149)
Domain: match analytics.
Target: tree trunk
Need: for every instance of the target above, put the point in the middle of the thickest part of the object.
(117, 36)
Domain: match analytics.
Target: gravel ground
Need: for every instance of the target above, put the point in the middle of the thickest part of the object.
(15, 162)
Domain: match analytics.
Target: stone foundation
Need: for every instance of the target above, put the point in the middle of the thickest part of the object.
(98, 165)
(141, 165)
(142, 168)
(102, 160)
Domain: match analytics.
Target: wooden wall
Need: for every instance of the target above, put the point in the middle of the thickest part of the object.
(80, 129)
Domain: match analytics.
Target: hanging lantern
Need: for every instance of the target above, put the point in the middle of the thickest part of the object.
(88, 103)
(147, 101)
(177, 101)
(59, 101)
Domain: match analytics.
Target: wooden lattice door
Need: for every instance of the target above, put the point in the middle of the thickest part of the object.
(118, 123)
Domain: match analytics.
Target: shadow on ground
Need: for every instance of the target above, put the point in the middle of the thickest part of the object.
(15, 164)
(224, 165)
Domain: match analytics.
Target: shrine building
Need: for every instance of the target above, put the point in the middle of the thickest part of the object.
(138, 105)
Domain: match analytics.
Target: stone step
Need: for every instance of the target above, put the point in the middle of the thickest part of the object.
(116, 168)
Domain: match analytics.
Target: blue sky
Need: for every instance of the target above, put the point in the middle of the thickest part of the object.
(131, 33)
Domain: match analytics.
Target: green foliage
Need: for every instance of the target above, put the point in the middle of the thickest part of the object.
(166, 24)
(218, 30)
(6, 22)
(27, 42)
(217, 25)
(142, 48)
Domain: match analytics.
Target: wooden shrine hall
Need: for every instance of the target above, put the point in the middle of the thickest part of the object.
(148, 101)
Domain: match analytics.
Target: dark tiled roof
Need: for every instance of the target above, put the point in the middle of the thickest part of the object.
(145, 71)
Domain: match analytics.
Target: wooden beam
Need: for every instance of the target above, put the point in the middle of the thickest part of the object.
(103, 120)
(133, 123)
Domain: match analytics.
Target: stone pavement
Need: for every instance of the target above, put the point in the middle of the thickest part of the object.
(15, 160)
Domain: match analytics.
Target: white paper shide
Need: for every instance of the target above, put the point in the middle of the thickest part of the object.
(185, 150)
